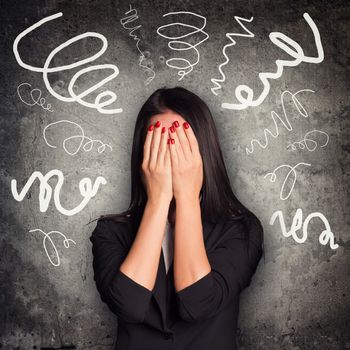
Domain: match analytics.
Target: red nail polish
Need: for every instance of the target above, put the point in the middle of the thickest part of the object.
(150, 128)
(176, 123)
(172, 129)
(172, 141)
(163, 129)
(158, 124)
(186, 125)
(168, 141)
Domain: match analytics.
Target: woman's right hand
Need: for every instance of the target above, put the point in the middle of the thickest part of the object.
(156, 164)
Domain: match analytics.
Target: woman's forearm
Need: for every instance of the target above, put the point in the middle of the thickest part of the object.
(142, 261)
(190, 258)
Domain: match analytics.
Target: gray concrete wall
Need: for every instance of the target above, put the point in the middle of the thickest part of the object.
(299, 298)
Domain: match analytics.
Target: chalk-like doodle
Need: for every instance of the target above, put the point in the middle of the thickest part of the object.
(233, 42)
(35, 97)
(79, 135)
(124, 21)
(325, 237)
(245, 94)
(308, 142)
(285, 122)
(98, 103)
(291, 172)
(87, 190)
(47, 237)
(180, 45)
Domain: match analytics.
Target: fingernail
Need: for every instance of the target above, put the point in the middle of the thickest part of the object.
(168, 141)
(186, 125)
(150, 128)
(172, 141)
(163, 129)
(176, 123)
(172, 129)
(158, 124)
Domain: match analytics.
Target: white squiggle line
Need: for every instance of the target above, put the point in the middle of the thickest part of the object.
(90, 141)
(274, 117)
(47, 236)
(233, 42)
(186, 46)
(292, 171)
(297, 53)
(87, 190)
(325, 236)
(45, 70)
(142, 57)
(304, 143)
(35, 100)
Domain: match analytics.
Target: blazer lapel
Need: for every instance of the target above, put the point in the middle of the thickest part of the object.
(159, 290)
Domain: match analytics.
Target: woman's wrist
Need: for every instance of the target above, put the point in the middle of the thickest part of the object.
(187, 197)
(160, 201)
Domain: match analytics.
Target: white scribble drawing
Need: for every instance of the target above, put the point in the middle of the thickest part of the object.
(35, 100)
(124, 21)
(233, 42)
(308, 142)
(325, 236)
(47, 237)
(98, 103)
(87, 190)
(180, 45)
(291, 172)
(87, 147)
(245, 95)
(285, 122)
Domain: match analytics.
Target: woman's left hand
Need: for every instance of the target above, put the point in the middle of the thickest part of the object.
(186, 162)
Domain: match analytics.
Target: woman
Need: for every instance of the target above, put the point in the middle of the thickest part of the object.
(172, 266)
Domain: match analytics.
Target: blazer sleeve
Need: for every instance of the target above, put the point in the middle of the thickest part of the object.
(125, 297)
(233, 264)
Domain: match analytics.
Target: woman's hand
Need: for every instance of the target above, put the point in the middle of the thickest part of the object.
(186, 162)
(156, 164)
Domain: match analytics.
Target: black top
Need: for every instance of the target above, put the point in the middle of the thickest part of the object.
(202, 316)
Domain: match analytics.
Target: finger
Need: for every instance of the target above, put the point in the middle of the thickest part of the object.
(183, 140)
(162, 145)
(177, 146)
(167, 160)
(191, 138)
(173, 153)
(155, 143)
(147, 144)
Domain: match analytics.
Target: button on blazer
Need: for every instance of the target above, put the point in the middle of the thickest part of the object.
(201, 316)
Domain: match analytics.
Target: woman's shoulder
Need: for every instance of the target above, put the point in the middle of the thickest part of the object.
(111, 221)
(245, 226)
(111, 228)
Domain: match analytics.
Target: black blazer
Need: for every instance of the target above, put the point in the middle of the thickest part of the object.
(202, 316)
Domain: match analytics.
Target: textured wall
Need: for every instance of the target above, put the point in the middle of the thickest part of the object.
(297, 172)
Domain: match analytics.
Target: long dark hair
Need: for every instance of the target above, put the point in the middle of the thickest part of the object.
(218, 201)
